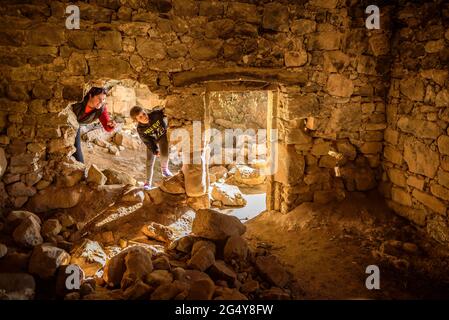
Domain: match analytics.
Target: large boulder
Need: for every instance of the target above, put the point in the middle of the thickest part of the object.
(236, 248)
(17, 286)
(90, 256)
(227, 194)
(55, 198)
(46, 259)
(128, 266)
(28, 233)
(118, 177)
(202, 259)
(213, 225)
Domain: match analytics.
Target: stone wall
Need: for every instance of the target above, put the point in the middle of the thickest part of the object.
(332, 74)
(416, 153)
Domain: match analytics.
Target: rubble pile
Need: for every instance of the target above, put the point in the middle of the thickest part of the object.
(213, 262)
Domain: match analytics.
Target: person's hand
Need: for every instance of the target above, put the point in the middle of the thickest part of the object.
(112, 124)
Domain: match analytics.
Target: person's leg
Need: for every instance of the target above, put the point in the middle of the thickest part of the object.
(149, 166)
(79, 152)
(163, 147)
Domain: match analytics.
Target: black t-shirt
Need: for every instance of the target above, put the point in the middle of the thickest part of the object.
(152, 131)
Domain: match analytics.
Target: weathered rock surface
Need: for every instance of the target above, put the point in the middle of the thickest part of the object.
(46, 259)
(214, 225)
(228, 195)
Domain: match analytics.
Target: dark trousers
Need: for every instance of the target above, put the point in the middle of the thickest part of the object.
(79, 152)
(163, 149)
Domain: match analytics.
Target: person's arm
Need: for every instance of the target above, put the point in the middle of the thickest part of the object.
(108, 125)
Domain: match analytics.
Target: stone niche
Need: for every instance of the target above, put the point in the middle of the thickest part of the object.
(346, 104)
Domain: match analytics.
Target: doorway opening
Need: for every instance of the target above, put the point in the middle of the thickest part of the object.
(239, 120)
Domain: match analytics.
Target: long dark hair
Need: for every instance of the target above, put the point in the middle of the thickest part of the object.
(94, 91)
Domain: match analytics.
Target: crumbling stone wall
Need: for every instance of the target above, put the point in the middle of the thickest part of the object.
(331, 70)
(416, 153)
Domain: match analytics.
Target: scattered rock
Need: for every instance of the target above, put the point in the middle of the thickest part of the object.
(185, 244)
(55, 197)
(158, 231)
(229, 294)
(90, 256)
(169, 291)
(126, 140)
(236, 248)
(247, 176)
(202, 259)
(133, 196)
(220, 271)
(17, 286)
(203, 243)
(118, 177)
(46, 259)
(128, 266)
(270, 268)
(73, 296)
(159, 277)
(250, 286)
(95, 176)
(66, 220)
(87, 288)
(227, 194)
(18, 215)
(202, 289)
(173, 185)
(217, 172)
(137, 291)
(51, 227)
(28, 233)
(213, 225)
(161, 263)
(274, 294)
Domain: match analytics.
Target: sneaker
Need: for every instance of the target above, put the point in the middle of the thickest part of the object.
(166, 173)
(147, 187)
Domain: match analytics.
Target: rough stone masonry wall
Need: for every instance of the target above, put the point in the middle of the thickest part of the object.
(416, 153)
(333, 73)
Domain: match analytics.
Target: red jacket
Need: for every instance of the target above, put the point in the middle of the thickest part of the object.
(85, 116)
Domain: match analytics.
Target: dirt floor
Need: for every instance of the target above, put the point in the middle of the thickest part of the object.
(327, 248)
(131, 161)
